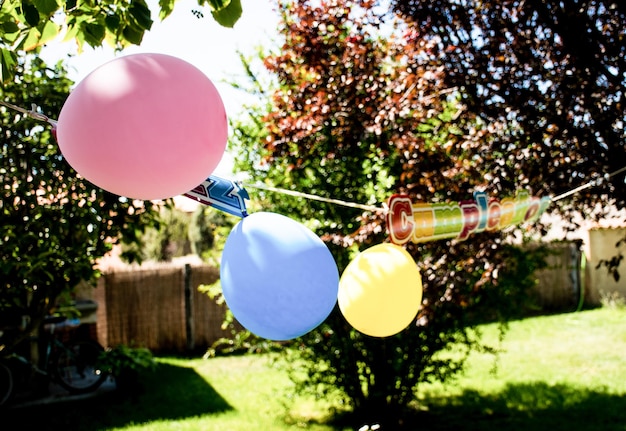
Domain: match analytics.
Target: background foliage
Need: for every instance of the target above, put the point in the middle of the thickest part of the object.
(179, 233)
(54, 225)
(556, 70)
(26, 25)
(435, 99)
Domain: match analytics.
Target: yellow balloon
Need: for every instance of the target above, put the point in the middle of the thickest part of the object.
(380, 291)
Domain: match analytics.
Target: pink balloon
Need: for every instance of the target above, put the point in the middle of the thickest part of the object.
(144, 126)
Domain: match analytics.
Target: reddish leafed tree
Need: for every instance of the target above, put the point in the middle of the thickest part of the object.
(361, 110)
(554, 69)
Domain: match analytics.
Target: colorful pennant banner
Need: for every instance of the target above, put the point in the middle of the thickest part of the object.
(225, 195)
(422, 222)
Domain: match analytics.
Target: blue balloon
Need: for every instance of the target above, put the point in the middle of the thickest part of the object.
(278, 278)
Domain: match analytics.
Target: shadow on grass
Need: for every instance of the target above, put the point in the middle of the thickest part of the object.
(528, 406)
(533, 406)
(169, 393)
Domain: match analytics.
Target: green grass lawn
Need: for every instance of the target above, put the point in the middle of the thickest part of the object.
(561, 372)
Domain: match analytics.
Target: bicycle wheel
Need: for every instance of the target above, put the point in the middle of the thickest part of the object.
(6, 383)
(75, 367)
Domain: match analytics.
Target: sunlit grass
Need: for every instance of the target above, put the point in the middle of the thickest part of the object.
(561, 372)
(585, 349)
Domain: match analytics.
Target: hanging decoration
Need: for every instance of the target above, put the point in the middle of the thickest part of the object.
(144, 126)
(380, 291)
(422, 222)
(278, 278)
(124, 129)
(225, 195)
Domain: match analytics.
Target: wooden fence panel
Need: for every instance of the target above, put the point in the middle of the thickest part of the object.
(558, 287)
(161, 308)
(150, 308)
(565, 284)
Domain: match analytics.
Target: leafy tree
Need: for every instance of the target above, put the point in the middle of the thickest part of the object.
(208, 232)
(558, 70)
(26, 25)
(555, 69)
(358, 116)
(179, 233)
(54, 225)
(167, 240)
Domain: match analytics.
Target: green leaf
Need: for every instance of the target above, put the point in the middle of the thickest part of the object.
(8, 63)
(70, 4)
(94, 33)
(46, 7)
(11, 38)
(49, 32)
(112, 23)
(72, 30)
(229, 15)
(31, 39)
(10, 27)
(141, 13)
(132, 34)
(166, 7)
(31, 14)
(217, 5)
(79, 37)
(424, 127)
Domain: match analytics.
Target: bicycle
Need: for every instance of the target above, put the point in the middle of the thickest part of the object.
(72, 365)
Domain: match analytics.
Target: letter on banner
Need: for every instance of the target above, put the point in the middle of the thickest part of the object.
(225, 195)
(400, 219)
(471, 219)
(424, 218)
(522, 201)
(494, 212)
(481, 199)
(449, 220)
(507, 211)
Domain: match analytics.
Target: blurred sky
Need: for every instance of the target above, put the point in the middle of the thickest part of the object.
(199, 41)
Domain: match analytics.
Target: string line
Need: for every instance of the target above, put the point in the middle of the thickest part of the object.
(314, 197)
(587, 185)
(32, 113)
(38, 116)
(378, 209)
